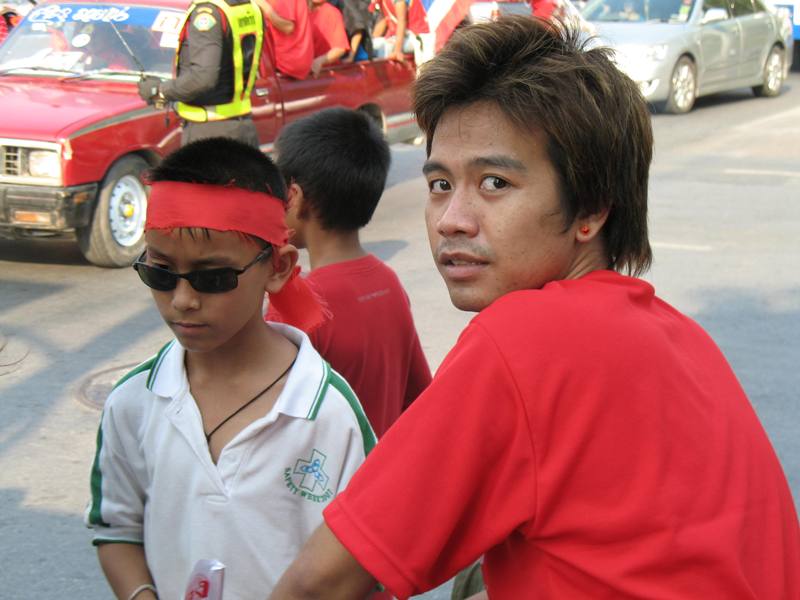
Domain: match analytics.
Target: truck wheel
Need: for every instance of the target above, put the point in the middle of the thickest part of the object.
(115, 237)
(683, 87)
(773, 74)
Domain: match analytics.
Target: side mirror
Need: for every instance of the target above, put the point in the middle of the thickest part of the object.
(714, 14)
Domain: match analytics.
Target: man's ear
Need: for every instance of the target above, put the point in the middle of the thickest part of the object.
(284, 260)
(587, 227)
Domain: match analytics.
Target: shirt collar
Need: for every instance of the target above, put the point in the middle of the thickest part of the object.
(301, 393)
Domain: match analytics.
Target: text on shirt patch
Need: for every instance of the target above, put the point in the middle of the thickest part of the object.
(308, 479)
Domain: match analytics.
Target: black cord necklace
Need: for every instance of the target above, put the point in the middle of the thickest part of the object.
(249, 402)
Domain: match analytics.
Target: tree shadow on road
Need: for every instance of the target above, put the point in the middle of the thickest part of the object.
(51, 372)
(46, 554)
(760, 340)
(42, 251)
(385, 249)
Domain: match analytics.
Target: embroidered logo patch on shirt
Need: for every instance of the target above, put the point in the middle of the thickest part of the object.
(204, 22)
(308, 478)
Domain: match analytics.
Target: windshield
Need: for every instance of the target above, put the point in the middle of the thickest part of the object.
(102, 40)
(659, 11)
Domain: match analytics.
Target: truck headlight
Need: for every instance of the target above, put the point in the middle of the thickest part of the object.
(44, 163)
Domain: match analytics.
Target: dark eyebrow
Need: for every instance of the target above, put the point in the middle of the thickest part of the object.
(431, 165)
(499, 161)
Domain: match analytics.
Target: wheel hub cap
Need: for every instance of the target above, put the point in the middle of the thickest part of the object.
(127, 210)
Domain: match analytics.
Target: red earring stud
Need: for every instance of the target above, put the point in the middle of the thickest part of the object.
(585, 230)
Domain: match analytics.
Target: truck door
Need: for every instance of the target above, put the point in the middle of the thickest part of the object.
(338, 85)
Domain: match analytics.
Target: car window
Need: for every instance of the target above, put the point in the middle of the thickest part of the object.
(723, 4)
(93, 40)
(742, 7)
(656, 11)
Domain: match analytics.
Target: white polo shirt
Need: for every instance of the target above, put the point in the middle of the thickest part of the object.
(153, 480)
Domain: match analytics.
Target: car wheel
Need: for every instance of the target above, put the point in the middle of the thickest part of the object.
(774, 70)
(683, 87)
(115, 236)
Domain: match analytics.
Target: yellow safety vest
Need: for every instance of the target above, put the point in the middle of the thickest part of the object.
(244, 19)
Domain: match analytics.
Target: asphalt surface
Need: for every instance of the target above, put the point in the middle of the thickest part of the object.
(725, 213)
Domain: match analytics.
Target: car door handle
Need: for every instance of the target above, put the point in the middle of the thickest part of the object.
(262, 92)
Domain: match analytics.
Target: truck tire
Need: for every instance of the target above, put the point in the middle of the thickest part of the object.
(115, 237)
(683, 87)
(774, 69)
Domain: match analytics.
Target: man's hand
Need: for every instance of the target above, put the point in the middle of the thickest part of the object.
(317, 64)
(150, 91)
(325, 570)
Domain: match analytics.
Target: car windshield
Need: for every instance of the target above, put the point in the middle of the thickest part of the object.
(639, 11)
(92, 40)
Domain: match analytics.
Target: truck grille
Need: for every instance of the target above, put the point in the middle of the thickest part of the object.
(12, 160)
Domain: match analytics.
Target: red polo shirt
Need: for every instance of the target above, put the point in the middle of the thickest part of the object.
(591, 442)
(294, 52)
(327, 29)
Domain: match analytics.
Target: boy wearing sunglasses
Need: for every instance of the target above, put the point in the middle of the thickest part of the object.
(233, 438)
(335, 163)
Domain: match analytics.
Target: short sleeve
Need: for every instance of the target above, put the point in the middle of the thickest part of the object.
(451, 479)
(116, 510)
(419, 373)
(286, 9)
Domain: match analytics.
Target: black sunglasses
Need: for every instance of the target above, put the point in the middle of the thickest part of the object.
(207, 281)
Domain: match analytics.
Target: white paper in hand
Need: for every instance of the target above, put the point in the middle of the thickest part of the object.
(205, 582)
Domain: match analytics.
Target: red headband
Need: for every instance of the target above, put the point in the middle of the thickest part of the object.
(175, 205)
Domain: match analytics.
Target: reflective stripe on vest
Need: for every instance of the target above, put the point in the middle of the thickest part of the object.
(244, 19)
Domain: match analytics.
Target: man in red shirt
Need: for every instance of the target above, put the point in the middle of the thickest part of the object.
(290, 27)
(335, 163)
(585, 437)
(328, 33)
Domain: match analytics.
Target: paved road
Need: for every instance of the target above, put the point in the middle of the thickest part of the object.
(725, 201)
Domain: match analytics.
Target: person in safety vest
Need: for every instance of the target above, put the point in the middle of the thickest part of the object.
(216, 67)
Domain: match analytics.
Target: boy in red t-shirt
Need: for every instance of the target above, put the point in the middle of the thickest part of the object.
(328, 33)
(335, 163)
(290, 28)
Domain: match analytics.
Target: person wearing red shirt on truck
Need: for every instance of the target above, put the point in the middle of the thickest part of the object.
(328, 33)
(543, 9)
(290, 28)
(400, 23)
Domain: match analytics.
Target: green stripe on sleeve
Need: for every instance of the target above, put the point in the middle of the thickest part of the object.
(135, 371)
(321, 389)
(340, 385)
(159, 358)
(96, 483)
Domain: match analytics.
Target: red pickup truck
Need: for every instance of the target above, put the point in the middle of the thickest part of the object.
(75, 136)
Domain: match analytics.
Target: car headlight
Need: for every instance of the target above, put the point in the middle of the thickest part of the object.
(44, 163)
(656, 53)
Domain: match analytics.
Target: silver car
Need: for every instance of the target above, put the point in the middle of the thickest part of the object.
(677, 50)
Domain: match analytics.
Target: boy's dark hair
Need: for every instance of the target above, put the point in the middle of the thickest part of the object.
(544, 76)
(340, 160)
(222, 161)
